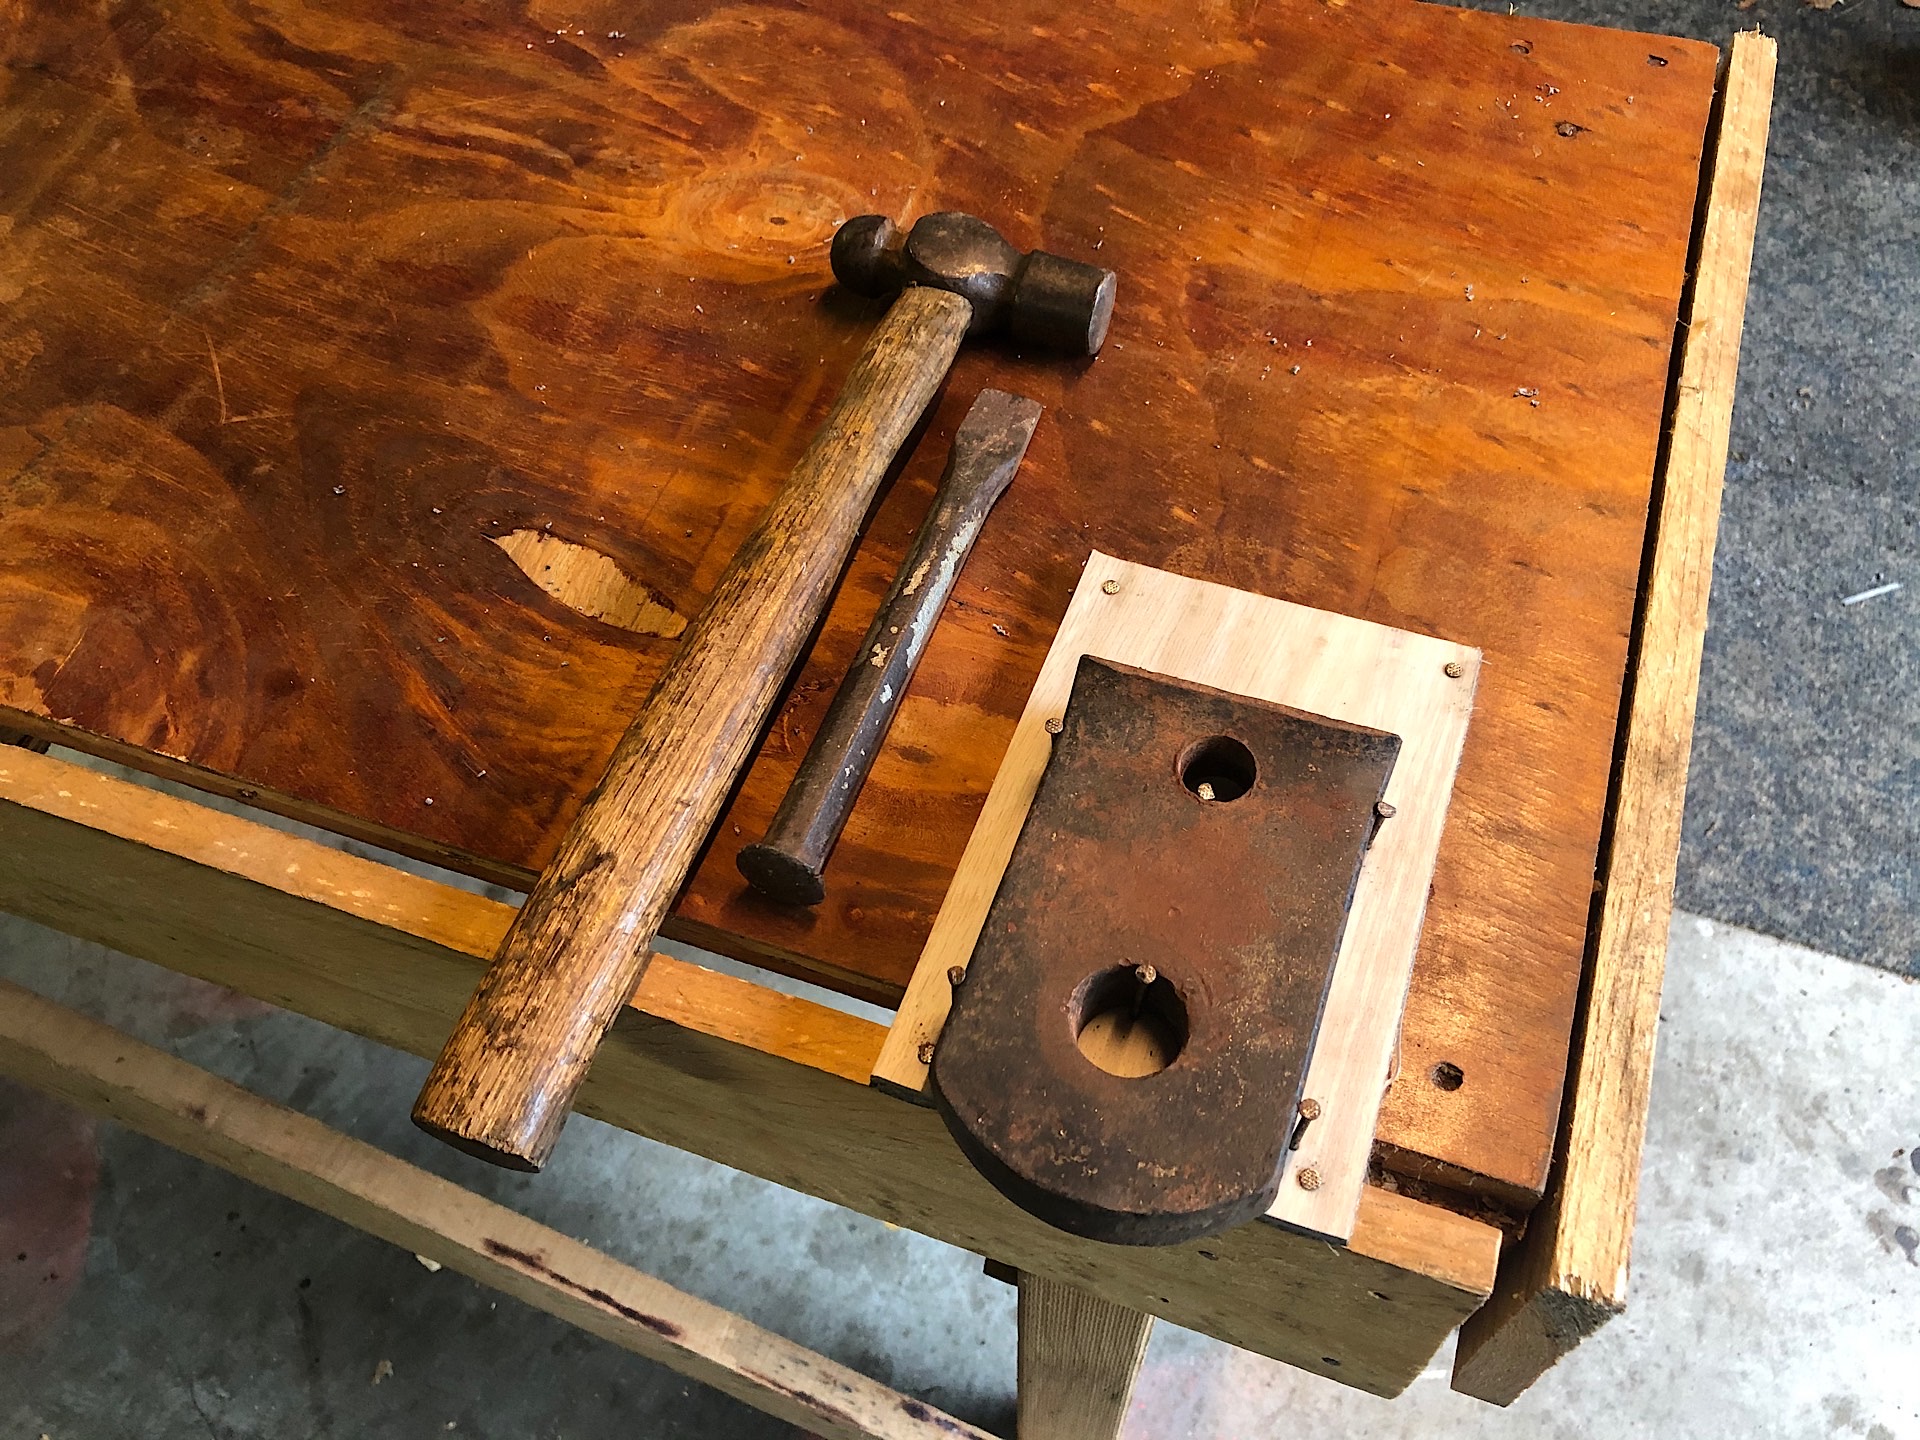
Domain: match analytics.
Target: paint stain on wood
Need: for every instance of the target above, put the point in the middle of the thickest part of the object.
(537, 1265)
(46, 1209)
(587, 581)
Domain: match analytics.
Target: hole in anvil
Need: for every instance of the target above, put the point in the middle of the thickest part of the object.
(1128, 1025)
(1218, 768)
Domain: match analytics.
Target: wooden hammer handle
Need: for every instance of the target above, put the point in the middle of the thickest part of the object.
(506, 1078)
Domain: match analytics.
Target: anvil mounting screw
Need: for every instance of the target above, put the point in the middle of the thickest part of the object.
(1384, 810)
(926, 1052)
(1109, 587)
(1054, 726)
(1145, 974)
(956, 975)
(1309, 1109)
(1204, 790)
(1308, 1178)
(1455, 669)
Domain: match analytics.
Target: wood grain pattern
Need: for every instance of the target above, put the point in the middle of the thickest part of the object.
(177, 1103)
(721, 1067)
(504, 1082)
(1568, 1275)
(1078, 1358)
(1332, 665)
(305, 306)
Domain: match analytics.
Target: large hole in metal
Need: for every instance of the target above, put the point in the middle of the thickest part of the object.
(1217, 768)
(1129, 1021)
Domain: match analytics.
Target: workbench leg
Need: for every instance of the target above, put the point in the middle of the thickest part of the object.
(1079, 1356)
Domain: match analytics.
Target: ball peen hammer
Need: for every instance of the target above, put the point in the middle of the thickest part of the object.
(506, 1078)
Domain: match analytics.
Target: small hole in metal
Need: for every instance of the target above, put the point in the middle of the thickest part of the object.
(1448, 1076)
(1218, 768)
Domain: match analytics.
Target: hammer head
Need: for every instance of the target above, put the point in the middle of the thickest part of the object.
(1036, 298)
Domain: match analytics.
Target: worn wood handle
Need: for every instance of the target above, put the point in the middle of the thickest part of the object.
(506, 1078)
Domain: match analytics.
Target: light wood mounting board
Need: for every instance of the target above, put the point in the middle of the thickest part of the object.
(1332, 665)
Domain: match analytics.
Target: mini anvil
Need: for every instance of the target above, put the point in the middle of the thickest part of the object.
(1126, 1054)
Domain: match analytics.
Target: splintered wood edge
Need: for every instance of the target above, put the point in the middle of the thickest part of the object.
(1334, 665)
(768, 1083)
(95, 1066)
(1568, 1275)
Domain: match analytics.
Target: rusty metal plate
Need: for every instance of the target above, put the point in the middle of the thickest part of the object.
(1125, 1056)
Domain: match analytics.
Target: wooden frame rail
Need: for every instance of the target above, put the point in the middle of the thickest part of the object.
(94, 1066)
(721, 1067)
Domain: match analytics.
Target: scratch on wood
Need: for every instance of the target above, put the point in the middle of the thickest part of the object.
(219, 385)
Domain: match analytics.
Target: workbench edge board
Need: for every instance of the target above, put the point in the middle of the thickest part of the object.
(1568, 1275)
(708, 1063)
(175, 771)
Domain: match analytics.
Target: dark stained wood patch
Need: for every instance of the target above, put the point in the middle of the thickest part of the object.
(304, 309)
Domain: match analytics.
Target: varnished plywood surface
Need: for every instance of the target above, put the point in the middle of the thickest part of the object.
(309, 308)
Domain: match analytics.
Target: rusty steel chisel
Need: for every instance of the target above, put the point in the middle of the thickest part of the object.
(987, 450)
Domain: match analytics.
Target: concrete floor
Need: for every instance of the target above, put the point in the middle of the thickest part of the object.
(1777, 1280)
(1776, 1290)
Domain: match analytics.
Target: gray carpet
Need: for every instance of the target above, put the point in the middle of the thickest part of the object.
(1801, 818)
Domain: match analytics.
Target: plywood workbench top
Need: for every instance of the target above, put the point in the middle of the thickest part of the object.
(382, 387)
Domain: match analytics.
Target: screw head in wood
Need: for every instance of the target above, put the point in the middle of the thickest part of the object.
(1307, 1177)
(1109, 587)
(1054, 727)
(1309, 1109)
(926, 1052)
(1455, 669)
(1384, 810)
(956, 975)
